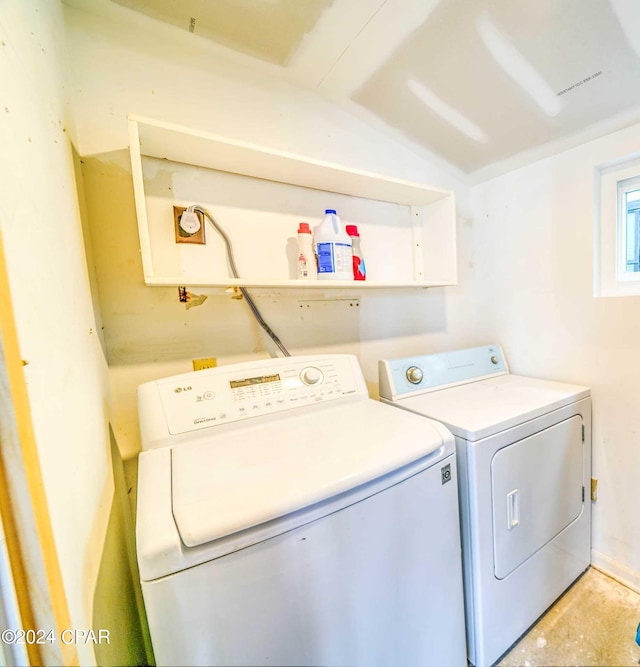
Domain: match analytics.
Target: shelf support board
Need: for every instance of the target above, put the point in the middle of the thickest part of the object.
(417, 221)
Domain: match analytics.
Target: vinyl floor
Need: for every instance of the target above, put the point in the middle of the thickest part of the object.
(592, 625)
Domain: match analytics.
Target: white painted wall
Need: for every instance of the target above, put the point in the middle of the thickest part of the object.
(524, 262)
(66, 370)
(533, 238)
(525, 256)
(123, 62)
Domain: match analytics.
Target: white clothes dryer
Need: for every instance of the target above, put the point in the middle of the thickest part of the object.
(285, 518)
(524, 462)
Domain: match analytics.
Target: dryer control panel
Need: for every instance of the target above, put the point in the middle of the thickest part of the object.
(215, 396)
(414, 375)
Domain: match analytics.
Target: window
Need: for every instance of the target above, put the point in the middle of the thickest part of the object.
(628, 241)
(617, 228)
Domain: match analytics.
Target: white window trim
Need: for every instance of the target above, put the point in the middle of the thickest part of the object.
(607, 278)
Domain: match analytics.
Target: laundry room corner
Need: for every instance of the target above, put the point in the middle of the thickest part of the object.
(148, 332)
(535, 248)
(116, 604)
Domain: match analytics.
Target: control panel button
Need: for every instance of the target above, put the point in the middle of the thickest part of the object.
(494, 360)
(311, 375)
(414, 374)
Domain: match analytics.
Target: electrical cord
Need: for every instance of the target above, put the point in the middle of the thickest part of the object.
(243, 290)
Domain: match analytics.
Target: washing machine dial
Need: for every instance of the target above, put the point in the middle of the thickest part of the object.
(494, 360)
(311, 375)
(414, 374)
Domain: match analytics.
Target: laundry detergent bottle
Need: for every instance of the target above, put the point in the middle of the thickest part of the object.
(333, 248)
(306, 256)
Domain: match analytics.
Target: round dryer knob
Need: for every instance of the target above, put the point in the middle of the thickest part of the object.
(414, 374)
(311, 375)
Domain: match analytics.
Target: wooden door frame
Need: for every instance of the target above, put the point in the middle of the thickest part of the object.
(19, 410)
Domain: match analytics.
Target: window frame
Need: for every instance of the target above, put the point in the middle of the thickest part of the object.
(608, 280)
(624, 186)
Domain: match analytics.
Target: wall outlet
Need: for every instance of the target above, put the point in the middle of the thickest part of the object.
(201, 364)
(182, 235)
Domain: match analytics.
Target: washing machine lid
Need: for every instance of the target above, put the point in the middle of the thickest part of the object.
(480, 409)
(249, 476)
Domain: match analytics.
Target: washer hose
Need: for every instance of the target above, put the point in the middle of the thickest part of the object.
(243, 290)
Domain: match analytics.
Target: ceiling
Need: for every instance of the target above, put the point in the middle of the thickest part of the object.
(475, 82)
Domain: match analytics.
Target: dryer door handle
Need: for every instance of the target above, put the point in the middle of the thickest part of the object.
(513, 509)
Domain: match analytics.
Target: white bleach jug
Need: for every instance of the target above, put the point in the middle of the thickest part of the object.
(333, 248)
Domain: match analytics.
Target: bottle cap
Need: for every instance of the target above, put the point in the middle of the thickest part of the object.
(303, 228)
(329, 211)
(352, 230)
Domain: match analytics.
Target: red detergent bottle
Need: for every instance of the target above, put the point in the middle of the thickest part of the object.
(359, 268)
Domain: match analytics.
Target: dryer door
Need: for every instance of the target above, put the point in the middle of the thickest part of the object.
(536, 492)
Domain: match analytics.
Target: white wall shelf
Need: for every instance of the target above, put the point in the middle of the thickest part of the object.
(170, 281)
(408, 229)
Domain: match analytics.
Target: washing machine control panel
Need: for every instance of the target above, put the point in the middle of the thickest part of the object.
(412, 375)
(229, 393)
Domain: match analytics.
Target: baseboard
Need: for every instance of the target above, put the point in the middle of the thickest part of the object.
(612, 568)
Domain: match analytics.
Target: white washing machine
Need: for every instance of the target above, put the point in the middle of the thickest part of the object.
(524, 463)
(284, 518)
